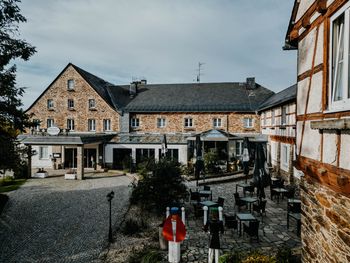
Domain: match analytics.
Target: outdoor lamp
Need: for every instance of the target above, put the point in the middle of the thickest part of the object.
(109, 198)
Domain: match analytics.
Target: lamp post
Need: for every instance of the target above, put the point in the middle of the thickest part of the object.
(109, 198)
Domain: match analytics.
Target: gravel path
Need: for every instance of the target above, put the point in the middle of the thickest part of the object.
(57, 220)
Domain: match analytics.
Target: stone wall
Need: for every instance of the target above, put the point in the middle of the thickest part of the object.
(80, 113)
(231, 122)
(325, 224)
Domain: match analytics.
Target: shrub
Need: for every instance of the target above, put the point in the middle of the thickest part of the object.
(233, 257)
(159, 188)
(133, 227)
(258, 257)
(284, 255)
(146, 255)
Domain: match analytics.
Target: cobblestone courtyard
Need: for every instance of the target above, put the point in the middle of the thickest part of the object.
(57, 220)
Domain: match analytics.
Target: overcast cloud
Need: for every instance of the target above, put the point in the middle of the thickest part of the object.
(162, 40)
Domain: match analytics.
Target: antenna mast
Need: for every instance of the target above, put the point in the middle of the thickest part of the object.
(199, 71)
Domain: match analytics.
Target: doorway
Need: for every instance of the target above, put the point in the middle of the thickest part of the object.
(122, 158)
(89, 158)
(70, 158)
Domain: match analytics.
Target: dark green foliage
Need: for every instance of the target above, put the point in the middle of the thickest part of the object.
(284, 255)
(159, 188)
(146, 255)
(13, 120)
(133, 227)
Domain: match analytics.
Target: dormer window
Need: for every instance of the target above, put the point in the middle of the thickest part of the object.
(217, 122)
(70, 84)
(70, 104)
(92, 104)
(50, 104)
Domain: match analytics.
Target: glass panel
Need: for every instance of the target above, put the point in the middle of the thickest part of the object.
(338, 58)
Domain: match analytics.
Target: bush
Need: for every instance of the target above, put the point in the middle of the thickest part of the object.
(284, 255)
(159, 188)
(210, 160)
(133, 227)
(3, 201)
(146, 255)
(251, 257)
(233, 257)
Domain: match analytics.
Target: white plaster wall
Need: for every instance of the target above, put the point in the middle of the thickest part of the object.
(303, 7)
(311, 141)
(330, 148)
(344, 158)
(315, 97)
(306, 50)
(274, 152)
(41, 163)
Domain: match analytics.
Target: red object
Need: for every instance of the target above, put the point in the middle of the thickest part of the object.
(168, 229)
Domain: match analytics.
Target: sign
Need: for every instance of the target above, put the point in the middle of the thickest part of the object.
(56, 155)
(53, 130)
(180, 231)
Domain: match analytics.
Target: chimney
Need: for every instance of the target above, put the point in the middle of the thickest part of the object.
(143, 81)
(133, 89)
(251, 83)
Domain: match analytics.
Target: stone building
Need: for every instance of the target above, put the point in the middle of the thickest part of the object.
(277, 121)
(102, 124)
(320, 31)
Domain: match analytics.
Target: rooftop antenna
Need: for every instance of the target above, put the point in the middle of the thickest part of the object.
(199, 71)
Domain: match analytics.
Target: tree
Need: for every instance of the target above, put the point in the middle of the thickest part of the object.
(13, 120)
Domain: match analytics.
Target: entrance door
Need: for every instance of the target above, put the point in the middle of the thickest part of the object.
(70, 158)
(121, 158)
(89, 158)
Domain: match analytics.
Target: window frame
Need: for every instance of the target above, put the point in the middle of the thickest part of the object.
(70, 84)
(217, 123)
(92, 106)
(50, 104)
(70, 101)
(70, 123)
(41, 157)
(240, 147)
(91, 125)
(161, 122)
(250, 122)
(105, 122)
(344, 103)
(285, 155)
(52, 121)
(188, 122)
(135, 122)
(284, 115)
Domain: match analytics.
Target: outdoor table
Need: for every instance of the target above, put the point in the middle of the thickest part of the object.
(249, 201)
(206, 194)
(244, 217)
(208, 203)
(243, 185)
(279, 191)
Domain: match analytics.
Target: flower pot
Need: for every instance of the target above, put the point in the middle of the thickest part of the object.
(70, 176)
(40, 175)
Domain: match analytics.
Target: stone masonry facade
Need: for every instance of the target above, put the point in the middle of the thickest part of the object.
(175, 122)
(81, 94)
(325, 224)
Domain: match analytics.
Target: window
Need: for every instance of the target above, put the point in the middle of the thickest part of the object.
(284, 115)
(37, 124)
(49, 123)
(135, 122)
(263, 117)
(43, 152)
(70, 104)
(285, 155)
(106, 124)
(92, 125)
(70, 84)
(239, 148)
(50, 104)
(92, 104)
(70, 124)
(188, 122)
(161, 122)
(217, 122)
(272, 117)
(339, 59)
(248, 123)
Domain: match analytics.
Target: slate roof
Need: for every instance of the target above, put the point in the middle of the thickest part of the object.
(286, 95)
(193, 97)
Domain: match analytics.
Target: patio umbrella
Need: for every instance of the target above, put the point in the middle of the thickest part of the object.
(199, 159)
(260, 174)
(245, 158)
(164, 146)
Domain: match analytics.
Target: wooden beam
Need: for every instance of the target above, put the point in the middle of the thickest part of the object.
(321, 115)
(307, 73)
(321, 6)
(283, 139)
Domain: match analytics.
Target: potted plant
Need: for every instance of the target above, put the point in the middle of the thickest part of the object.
(41, 173)
(70, 175)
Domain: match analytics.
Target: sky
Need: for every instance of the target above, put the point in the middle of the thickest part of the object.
(160, 40)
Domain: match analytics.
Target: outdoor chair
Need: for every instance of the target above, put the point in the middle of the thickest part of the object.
(250, 189)
(294, 208)
(273, 192)
(206, 188)
(198, 210)
(238, 202)
(231, 221)
(280, 183)
(252, 229)
(195, 196)
(260, 207)
(291, 191)
(221, 201)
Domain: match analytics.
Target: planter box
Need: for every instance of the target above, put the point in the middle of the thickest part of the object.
(70, 176)
(40, 175)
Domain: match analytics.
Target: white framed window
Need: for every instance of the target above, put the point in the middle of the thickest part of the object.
(248, 122)
(36, 124)
(70, 84)
(106, 124)
(91, 124)
(188, 122)
(272, 117)
(92, 104)
(50, 123)
(160, 122)
(135, 122)
(217, 122)
(284, 115)
(70, 124)
(239, 148)
(50, 104)
(264, 118)
(339, 95)
(285, 155)
(43, 152)
(70, 104)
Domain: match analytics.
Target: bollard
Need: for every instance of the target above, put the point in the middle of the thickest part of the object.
(183, 215)
(220, 213)
(205, 217)
(167, 213)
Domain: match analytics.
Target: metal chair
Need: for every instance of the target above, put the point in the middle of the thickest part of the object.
(252, 229)
(238, 202)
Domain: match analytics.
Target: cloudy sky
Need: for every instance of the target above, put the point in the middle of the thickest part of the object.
(162, 40)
